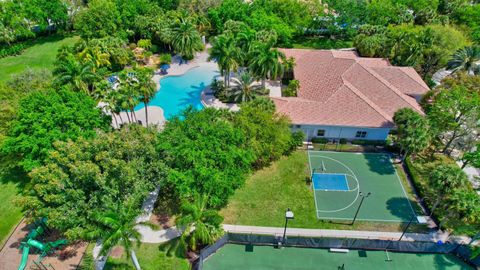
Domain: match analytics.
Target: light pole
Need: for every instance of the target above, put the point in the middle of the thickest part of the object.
(288, 215)
(360, 205)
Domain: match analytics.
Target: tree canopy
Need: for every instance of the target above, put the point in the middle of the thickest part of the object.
(83, 178)
(44, 117)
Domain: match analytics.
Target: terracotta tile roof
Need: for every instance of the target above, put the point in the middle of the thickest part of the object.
(340, 88)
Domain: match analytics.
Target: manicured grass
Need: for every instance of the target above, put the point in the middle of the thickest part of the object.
(268, 192)
(10, 214)
(232, 257)
(321, 43)
(150, 258)
(39, 56)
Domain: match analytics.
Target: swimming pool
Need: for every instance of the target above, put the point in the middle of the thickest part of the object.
(178, 92)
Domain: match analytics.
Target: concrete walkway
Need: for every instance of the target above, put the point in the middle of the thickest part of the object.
(278, 231)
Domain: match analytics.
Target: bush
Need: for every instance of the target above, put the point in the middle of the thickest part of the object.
(297, 139)
(132, 46)
(319, 140)
(291, 90)
(165, 58)
(15, 49)
(144, 43)
(155, 48)
(343, 141)
(368, 142)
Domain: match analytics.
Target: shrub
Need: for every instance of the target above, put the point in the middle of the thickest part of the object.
(319, 140)
(144, 43)
(15, 49)
(368, 142)
(154, 48)
(343, 141)
(165, 58)
(291, 90)
(297, 139)
(132, 46)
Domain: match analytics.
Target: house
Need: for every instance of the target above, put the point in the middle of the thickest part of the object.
(342, 95)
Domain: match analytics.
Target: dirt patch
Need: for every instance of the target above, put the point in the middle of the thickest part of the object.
(117, 252)
(164, 221)
(68, 257)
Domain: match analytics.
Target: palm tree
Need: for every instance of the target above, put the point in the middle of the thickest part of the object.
(227, 55)
(245, 90)
(265, 62)
(289, 65)
(118, 228)
(71, 72)
(94, 55)
(185, 39)
(199, 224)
(146, 87)
(466, 59)
(446, 179)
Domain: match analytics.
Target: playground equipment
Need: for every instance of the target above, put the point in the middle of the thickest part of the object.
(44, 248)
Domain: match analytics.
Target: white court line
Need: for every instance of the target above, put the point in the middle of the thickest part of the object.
(364, 219)
(311, 173)
(355, 177)
(401, 185)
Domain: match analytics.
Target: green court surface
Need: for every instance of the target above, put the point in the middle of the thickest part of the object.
(364, 172)
(233, 257)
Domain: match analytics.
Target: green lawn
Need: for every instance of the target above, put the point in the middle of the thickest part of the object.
(39, 56)
(232, 257)
(268, 192)
(10, 214)
(150, 258)
(321, 43)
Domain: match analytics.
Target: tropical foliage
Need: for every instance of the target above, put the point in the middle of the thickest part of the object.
(83, 178)
(44, 117)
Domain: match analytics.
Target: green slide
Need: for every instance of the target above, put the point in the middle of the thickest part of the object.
(23, 263)
(45, 248)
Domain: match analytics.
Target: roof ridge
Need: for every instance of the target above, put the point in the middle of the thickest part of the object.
(367, 100)
(408, 74)
(391, 87)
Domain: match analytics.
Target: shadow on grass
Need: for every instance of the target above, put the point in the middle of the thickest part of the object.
(10, 172)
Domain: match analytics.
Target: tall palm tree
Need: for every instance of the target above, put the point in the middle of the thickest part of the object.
(265, 62)
(185, 39)
(71, 72)
(244, 89)
(228, 56)
(465, 59)
(118, 228)
(146, 87)
(199, 224)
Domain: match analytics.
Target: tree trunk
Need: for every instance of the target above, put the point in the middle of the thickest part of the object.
(447, 146)
(263, 82)
(146, 114)
(115, 119)
(225, 79)
(128, 117)
(435, 205)
(464, 164)
(135, 260)
(121, 119)
(134, 116)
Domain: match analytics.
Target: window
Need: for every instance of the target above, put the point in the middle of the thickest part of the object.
(361, 134)
(320, 132)
(298, 126)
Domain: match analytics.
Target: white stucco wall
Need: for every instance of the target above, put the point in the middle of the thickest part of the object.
(342, 132)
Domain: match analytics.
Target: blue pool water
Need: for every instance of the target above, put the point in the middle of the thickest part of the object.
(178, 92)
